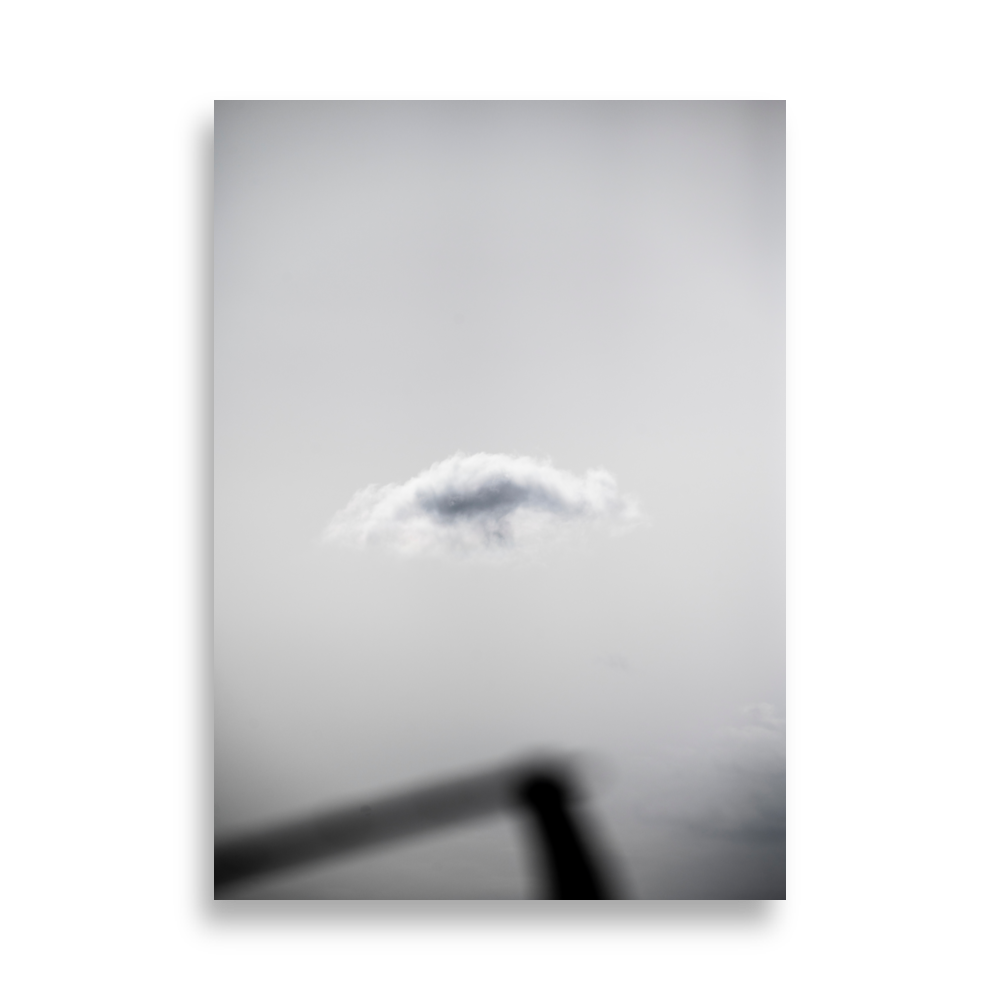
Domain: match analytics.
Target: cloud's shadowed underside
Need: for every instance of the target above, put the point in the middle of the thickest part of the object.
(493, 505)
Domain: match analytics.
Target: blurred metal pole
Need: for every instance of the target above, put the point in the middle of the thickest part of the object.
(540, 789)
(569, 861)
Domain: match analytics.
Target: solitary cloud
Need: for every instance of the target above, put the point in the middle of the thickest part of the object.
(481, 505)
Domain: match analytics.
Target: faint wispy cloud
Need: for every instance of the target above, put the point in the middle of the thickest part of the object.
(493, 505)
(733, 787)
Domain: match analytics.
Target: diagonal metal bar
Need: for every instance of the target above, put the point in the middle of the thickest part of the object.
(541, 789)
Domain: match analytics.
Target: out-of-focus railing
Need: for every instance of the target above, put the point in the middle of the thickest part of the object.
(544, 792)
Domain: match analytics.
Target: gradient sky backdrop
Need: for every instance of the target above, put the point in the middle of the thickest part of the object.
(601, 284)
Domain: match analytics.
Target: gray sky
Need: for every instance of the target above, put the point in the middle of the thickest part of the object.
(600, 285)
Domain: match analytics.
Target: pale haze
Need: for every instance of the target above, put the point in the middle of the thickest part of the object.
(499, 468)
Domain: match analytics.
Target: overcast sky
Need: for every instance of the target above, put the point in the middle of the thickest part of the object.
(499, 445)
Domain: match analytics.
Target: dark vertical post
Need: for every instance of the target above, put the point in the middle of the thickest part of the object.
(572, 869)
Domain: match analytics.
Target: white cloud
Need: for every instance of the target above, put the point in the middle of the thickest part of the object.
(495, 505)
